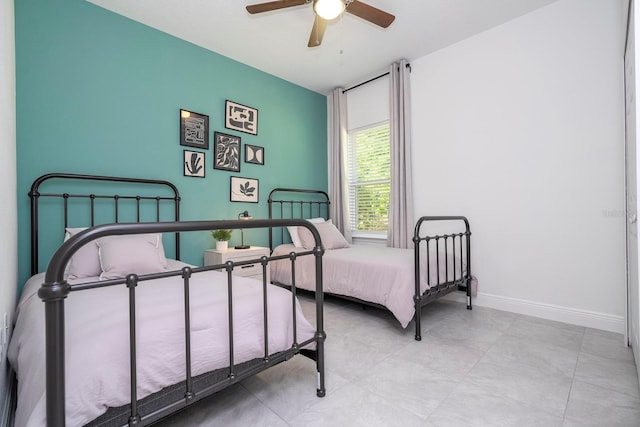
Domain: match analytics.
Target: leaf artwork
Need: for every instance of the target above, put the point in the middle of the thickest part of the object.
(194, 166)
(247, 190)
(228, 152)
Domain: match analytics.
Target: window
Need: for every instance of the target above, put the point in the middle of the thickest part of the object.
(369, 175)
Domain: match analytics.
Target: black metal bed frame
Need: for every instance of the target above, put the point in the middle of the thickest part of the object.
(439, 290)
(35, 195)
(435, 291)
(55, 289)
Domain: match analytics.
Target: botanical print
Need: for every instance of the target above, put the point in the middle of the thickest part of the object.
(193, 164)
(244, 189)
(226, 152)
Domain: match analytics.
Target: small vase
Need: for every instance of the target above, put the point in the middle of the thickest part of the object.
(222, 245)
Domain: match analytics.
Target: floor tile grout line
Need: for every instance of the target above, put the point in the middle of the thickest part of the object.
(437, 407)
(462, 379)
(573, 377)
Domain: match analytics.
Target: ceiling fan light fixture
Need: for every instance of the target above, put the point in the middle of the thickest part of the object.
(328, 9)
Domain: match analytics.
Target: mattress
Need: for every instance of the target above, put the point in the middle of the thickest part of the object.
(376, 274)
(97, 339)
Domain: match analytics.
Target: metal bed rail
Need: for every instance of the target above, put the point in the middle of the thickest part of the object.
(56, 289)
(457, 276)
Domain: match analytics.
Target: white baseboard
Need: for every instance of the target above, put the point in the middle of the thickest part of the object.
(589, 319)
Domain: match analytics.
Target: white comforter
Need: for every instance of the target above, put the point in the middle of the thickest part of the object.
(375, 274)
(97, 339)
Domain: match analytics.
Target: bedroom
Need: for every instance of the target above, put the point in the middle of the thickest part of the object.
(537, 207)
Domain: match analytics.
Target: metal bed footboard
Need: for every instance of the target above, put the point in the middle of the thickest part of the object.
(445, 246)
(56, 289)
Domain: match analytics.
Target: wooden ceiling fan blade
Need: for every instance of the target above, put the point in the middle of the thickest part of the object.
(317, 32)
(274, 5)
(370, 13)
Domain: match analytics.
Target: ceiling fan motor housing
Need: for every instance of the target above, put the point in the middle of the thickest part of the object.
(353, 7)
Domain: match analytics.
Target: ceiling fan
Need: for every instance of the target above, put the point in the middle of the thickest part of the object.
(325, 11)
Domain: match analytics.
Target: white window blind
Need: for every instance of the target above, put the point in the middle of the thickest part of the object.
(369, 160)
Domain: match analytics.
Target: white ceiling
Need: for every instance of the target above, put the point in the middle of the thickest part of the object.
(352, 51)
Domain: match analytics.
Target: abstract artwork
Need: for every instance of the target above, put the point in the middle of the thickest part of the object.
(194, 129)
(253, 154)
(244, 189)
(226, 152)
(193, 163)
(241, 118)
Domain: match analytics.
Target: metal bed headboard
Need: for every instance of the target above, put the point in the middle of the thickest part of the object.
(140, 200)
(290, 203)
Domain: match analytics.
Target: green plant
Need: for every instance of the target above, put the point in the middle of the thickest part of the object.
(221, 235)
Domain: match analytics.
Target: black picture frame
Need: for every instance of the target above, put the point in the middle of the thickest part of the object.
(194, 129)
(253, 154)
(241, 118)
(226, 152)
(244, 189)
(193, 164)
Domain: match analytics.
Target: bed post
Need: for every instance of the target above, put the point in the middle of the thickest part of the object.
(417, 298)
(320, 334)
(53, 295)
(468, 234)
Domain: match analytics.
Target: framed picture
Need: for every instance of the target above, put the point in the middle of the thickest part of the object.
(241, 118)
(193, 163)
(244, 189)
(226, 152)
(194, 129)
(253, 154)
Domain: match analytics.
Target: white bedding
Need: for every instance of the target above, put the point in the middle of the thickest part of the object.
(375, 274)
(97, 339)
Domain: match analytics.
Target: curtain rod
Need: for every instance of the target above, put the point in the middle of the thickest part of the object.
(372, 79)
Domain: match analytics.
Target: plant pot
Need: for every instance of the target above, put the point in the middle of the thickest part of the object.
(222, 245)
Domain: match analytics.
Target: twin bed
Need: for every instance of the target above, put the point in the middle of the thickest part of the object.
(128, 334)
(401, 281)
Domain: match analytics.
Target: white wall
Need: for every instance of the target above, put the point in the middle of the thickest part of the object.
(8, 207)
(521, 129)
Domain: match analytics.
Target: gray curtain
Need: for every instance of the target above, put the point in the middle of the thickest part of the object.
(401, 198)
(338, 185)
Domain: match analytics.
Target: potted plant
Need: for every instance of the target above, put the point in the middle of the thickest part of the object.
(222, 237)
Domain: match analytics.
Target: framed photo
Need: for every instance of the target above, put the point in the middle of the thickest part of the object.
(241, 118)
(193, 163)
(244, 189)
(194, 129)
(226, 152)
(253, 154)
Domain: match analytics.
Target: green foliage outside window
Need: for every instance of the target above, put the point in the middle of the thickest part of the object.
(370, 178)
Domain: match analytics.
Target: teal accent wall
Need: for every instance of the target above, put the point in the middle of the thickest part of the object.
(98, 93)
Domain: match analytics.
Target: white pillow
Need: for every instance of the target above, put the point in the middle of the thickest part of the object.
(293, 232)
(85, 262)
(329, 234)
(122, 255)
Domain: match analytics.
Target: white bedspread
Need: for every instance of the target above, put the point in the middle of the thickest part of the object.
(97, 339)
(375, 274)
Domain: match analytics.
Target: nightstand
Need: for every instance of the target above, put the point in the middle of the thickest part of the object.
(254, 270)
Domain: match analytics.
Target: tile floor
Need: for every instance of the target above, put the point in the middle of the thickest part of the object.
(472, 368)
